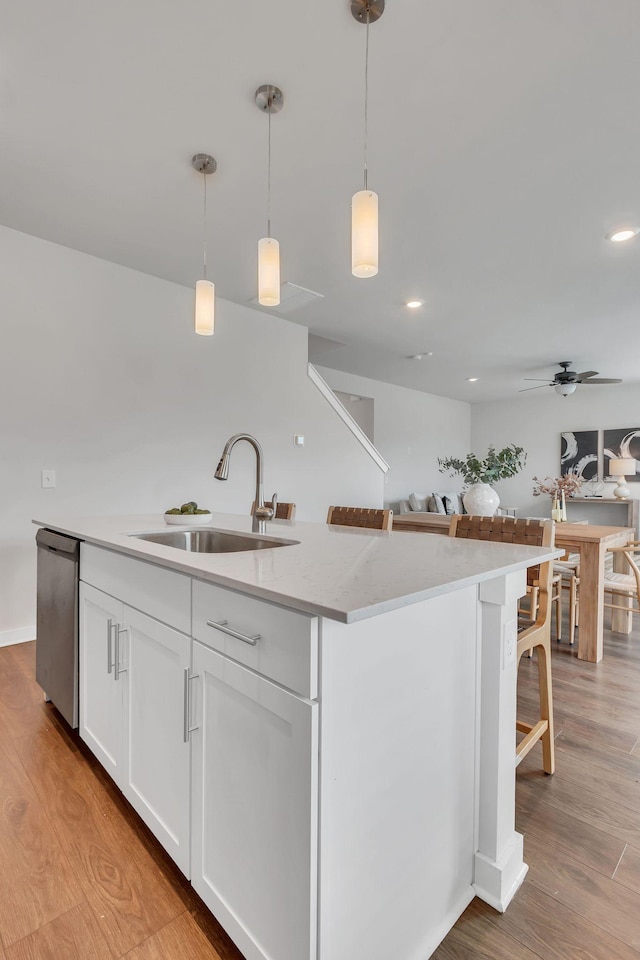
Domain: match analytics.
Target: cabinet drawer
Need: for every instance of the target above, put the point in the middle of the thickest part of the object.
(156, 591)
(287, 646)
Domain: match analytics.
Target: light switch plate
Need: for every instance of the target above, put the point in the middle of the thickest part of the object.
(48, 479)
(298, 440)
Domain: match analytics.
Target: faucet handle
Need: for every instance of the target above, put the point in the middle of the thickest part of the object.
(274, 505)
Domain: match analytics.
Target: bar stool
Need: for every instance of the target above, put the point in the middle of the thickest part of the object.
(534, 533)
(360, 517)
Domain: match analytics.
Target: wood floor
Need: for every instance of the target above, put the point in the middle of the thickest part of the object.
(81, 878)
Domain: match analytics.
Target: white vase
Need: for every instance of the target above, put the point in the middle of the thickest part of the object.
(481, 500)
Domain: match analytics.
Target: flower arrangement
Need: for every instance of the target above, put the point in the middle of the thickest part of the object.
(568, 484)
(495, 466)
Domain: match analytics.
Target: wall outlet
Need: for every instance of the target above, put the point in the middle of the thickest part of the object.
(48, 479)
(509, 643)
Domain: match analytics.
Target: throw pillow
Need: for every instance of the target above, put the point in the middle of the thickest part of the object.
(455, 500)
(435, 504)
(418, 502)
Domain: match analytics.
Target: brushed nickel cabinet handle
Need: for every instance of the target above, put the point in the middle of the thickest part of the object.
(109, 658)
(117, 668)
(188, 729)
(223, 627)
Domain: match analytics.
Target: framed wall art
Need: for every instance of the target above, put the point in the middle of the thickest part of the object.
(579, 453)
(622, 443)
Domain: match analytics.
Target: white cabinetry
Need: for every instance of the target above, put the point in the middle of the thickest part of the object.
(100, 695)
(132, 710)
(254, 833)
(156, 748)
(346, 789)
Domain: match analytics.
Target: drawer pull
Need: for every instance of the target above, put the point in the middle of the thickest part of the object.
(223, 627)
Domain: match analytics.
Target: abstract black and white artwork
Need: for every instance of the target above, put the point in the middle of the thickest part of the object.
(622, 443)
(579, 453)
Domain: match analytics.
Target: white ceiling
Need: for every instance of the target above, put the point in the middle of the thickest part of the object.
(504, 143)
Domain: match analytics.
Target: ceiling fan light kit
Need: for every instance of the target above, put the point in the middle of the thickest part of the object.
(565, 389)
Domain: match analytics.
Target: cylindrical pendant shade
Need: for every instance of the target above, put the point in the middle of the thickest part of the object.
(364, 234)
(205, 307)
(268, 272)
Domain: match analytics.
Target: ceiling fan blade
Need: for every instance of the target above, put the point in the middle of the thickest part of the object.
(599, 380)
(545, 384)
(586, 374)
(536, 380)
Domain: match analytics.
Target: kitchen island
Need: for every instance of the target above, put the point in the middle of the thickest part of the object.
(321, 734)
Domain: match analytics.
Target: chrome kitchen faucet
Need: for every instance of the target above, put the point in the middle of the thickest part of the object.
(261, 513)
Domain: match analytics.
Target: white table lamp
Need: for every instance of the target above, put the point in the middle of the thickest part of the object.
(622, 467)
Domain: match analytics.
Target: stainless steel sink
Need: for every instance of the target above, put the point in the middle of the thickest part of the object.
(213, 541)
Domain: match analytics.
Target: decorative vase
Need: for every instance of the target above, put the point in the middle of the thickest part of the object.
(481, 500)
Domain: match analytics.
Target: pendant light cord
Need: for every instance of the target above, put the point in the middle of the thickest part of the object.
(366, 99)
(204, 228)
(269, 171)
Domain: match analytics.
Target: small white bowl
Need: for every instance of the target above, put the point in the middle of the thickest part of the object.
(187, 519)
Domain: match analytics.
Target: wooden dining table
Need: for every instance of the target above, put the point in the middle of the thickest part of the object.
(591, 542)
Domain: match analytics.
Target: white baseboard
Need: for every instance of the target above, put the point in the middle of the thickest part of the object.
(18, 635)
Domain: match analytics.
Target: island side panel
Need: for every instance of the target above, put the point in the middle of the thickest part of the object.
(398, 787)
(499, 864)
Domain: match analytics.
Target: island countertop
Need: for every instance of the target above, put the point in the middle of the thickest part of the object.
(344, 573)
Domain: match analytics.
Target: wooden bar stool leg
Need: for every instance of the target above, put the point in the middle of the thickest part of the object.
(559, 611)
(573, 608)
(546, 707)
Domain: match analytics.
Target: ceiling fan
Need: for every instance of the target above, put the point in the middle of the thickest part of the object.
(566, 381)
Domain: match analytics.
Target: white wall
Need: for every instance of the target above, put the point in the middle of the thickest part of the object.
(412, 429)
(361, 409)
(535, 422)
(103, 380)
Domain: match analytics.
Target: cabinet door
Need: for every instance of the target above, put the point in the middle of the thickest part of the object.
(100, 693)
(156, 769)
(254, 809)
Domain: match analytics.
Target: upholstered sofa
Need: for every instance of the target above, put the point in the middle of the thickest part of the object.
(445, 502)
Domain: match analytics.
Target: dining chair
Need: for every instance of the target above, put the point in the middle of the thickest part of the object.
(360, 517)
(537, 635)
(568, 567)
(624, 586)
(284, 511)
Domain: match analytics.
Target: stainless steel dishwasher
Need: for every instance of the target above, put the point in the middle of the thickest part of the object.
(57, 621)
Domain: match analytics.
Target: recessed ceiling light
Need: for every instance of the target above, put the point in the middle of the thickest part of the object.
(419, 356)
(471, 379)
(625, 233)
(414, 304)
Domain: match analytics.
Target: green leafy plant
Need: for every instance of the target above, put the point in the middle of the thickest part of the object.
(495, 466)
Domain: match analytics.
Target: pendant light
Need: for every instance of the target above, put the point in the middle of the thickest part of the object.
(205, 305)
(269, 99)
(364, 204)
